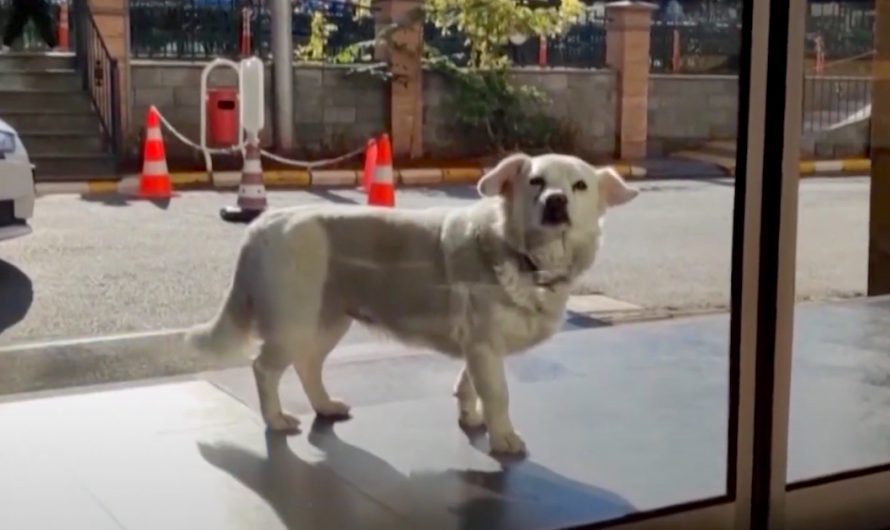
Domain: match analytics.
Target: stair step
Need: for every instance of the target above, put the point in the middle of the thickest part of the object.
(36, 61)
(59, 142)
(61, 168)
(41, 120)
(55, 79)
(11, 100)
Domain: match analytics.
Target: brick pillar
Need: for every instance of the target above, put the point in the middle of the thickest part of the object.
(628, 24)
(403, 55)
(879, 215)
(112, 19)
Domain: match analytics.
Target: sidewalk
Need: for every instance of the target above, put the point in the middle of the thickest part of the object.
(618, 420)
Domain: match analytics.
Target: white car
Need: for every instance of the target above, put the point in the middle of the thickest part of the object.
(17, 190)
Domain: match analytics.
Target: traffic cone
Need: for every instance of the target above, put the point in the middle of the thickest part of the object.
(370, 164)
(62, 27)
(251, 192)
(382, 189)
(154, 182)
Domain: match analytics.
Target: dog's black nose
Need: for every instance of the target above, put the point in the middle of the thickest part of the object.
(556, 209)
(557, 201)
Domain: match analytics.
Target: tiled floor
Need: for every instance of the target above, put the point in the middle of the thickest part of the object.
(618, 419)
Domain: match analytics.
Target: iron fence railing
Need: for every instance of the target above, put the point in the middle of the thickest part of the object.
(688, 36)
(99, 70)
(833, 100)
(201, 29)
(695, 47)
(846, 28)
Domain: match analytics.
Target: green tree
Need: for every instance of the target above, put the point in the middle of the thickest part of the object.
(488, 24)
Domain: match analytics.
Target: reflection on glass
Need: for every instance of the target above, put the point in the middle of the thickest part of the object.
(840, 419)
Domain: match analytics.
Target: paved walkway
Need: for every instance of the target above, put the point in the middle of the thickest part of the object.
(618, 420)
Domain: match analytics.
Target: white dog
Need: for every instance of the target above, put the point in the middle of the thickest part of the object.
(477, 282)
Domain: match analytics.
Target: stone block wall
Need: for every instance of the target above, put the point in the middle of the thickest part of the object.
(582, 102)
(334, 111)
(689, 110)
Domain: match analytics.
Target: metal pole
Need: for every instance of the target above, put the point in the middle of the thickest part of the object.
(283, 70)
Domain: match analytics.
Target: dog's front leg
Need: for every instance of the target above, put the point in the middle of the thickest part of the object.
(490, 380)
(468, 406)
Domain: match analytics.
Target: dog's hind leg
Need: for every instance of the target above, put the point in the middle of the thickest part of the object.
(268, 368)
(310, 361)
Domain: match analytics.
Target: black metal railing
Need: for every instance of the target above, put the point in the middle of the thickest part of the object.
(99, 70)
(832, 100)
(582, 46)
(203, 29)
(846, 28)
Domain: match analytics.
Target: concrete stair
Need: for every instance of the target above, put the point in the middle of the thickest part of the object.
(41, 95)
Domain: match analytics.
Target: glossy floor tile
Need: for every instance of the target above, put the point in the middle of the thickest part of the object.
(618, 420)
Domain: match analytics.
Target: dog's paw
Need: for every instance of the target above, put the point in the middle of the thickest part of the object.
(282, 422)
(508, 443)
(333, 409)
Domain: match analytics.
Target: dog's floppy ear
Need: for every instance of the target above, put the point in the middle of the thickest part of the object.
(613, 188)
(497, 181)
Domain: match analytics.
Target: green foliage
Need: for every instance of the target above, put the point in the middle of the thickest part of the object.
(319, 33)
(495, 113)
(488, 24)
(490, 110)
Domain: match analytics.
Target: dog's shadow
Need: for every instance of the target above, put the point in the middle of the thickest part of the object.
(346, 487)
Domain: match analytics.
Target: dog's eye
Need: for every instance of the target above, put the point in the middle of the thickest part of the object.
(537, 181)
(580, 186)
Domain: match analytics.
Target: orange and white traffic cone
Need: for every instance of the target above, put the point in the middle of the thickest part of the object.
(370, 164)
(62, 30)
(252, 192)
(382, 189)
(154, 182)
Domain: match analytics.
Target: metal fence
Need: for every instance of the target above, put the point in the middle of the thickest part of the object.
(688, 36)
(582, 46)
(833, 100)
(846, 28)
(201, 29)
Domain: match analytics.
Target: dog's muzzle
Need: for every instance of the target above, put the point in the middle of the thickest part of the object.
(556, 210)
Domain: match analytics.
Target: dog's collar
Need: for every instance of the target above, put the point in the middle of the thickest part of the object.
(527, 265)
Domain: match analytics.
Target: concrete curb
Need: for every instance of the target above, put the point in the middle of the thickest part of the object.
(297, 178)
(850, 165)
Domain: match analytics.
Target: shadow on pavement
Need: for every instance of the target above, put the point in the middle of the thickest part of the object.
(465, 191)
(332, 492)
(118, 199)
(330, 195)
(17, 294)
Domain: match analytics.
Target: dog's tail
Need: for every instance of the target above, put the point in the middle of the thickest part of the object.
(229, 332)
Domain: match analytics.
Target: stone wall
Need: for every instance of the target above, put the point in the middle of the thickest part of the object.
(581, 101)
(334, 111)
(689, 110)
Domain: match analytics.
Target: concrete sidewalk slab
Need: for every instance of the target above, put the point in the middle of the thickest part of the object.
(618, 421)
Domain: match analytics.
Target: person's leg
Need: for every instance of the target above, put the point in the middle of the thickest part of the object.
(42, 15)
(16, 23)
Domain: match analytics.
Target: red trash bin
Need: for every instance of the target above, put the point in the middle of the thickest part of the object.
(222, 116)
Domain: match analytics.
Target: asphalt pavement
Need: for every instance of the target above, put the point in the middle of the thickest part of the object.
(97, 266)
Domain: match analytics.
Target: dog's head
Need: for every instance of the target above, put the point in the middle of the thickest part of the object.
(553, 208)
(554, 194)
